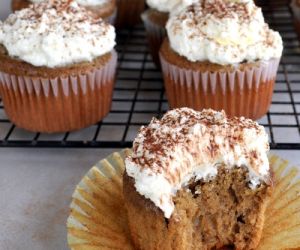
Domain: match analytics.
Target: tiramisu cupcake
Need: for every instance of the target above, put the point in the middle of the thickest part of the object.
(155, 19)
(295, 6)
(198, 180)
(129, 12)
(221, 54)
(57, 67)
(106, 9)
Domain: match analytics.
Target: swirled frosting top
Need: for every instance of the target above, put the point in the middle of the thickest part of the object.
(223, 32)
(56, 33)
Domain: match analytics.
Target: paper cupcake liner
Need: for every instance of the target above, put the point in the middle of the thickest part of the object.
(59, 104)
(98, 218)
(240, 93)
(155, 36)
(129, 12)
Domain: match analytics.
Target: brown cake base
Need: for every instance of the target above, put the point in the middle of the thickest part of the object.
(241, 90)
(223, 212)
(105, 11)
(62, 99)
(19, 4)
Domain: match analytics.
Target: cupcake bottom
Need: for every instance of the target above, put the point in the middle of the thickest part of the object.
(211, 215)
(129, 12)
(69, 101)
(155, 22)
(245, 90)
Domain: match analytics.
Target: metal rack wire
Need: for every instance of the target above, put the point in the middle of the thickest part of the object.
(139, 95)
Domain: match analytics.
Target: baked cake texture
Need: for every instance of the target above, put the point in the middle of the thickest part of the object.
(198, 180)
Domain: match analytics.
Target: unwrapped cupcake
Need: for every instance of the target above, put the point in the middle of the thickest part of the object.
(57, 67)
(221, 54)
(198, 180)
(106, 9)
(155, 19)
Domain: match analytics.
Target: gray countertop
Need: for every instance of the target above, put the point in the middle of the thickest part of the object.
(35, 191)
(36, 187)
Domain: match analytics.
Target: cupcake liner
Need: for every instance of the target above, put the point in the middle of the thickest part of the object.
(240, 93)
(98, 218)
(155, 36)
(59, 104)
(129, 12)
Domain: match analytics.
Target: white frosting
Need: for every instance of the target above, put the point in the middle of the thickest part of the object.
(223, 32)
(91, 2)
(81, 2)
(185, 144)
(55, 35)
(169, 5)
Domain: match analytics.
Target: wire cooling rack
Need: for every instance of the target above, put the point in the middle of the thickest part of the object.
(139, 95)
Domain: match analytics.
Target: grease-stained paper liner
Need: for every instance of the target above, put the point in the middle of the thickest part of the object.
(129, 12)
(155, 36)
(240, 93)
(98, 218)
(59, 104)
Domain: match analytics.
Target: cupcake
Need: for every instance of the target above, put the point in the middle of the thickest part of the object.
(106, 9)
(57, 67)
(295, 6)
(221, 54)
(155, 19)
(197, 180)
(129, 12)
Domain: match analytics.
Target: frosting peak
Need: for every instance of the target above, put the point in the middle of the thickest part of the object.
(56, 33)
(187, 144)
(223, 32)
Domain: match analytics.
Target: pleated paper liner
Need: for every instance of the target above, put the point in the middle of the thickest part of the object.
(98, 218)
(246, 92)
(59, 104)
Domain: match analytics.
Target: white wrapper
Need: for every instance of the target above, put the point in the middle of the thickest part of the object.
(240, 93)
(58, 104)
